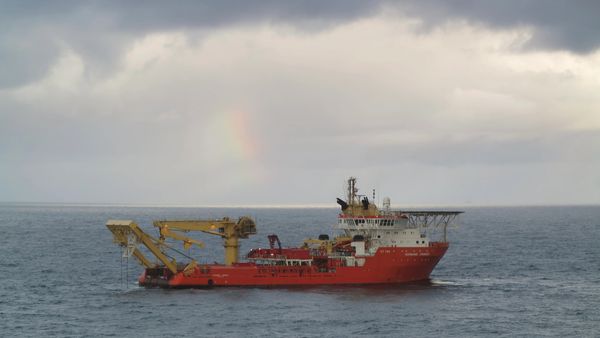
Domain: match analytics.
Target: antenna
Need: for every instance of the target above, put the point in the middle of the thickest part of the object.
(352, 190)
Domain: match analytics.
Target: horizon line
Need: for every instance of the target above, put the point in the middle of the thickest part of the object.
(280, 206)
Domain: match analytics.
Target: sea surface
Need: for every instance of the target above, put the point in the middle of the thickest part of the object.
(509, 271)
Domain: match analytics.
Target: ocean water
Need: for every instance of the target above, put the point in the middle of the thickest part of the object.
(520, 271)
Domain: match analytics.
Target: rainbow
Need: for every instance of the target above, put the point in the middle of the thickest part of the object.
(237, 143)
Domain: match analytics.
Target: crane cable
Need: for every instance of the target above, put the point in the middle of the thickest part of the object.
(172, 248)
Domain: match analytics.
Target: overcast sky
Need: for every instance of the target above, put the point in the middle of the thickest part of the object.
(275, 102)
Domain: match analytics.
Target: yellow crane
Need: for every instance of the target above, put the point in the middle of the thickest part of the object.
(165, 232)
(129, 235)
(227, 229)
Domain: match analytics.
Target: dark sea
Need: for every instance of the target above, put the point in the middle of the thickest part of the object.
(513, 272)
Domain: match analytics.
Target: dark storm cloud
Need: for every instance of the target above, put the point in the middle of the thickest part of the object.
(561, 24)
(33, 33)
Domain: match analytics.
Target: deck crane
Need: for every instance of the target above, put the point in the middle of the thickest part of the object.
(165, 232)
(230, 231)
(129, 235)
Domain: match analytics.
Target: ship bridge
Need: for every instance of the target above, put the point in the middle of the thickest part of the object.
(399, 228)
(391, 228)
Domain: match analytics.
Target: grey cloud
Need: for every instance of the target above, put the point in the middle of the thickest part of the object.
(21, 62)
(559, 24)
(87, 146)
(33, 32)
(579, 147)
(575, 147)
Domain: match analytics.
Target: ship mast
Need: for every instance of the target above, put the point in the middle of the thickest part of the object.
(355, 204)
(352, 190)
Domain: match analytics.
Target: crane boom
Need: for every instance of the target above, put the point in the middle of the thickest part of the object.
(187, 241)
(225, 228)
(127, 234)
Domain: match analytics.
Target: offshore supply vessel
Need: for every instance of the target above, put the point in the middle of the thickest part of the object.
(374, 246)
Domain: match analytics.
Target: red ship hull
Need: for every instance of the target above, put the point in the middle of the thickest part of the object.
(389, 265)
